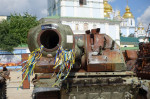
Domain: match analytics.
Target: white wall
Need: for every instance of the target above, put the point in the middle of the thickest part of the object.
(105, 28)
(127, 26)
(10, 58)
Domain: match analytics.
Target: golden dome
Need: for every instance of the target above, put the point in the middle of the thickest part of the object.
(106, 15)
(142, 28)
(107, 7)
(128, 14)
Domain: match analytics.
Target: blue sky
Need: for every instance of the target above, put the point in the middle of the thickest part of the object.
(139, 8)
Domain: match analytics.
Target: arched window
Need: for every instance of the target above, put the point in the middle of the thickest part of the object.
(85, 26)
(131, 22)
(77, 26)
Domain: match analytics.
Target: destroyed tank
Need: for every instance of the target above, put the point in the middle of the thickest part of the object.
(99, 71)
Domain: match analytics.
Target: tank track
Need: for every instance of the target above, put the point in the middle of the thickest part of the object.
(3, 90)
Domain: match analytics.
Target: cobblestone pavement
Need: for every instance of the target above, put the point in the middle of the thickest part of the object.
(13, 84)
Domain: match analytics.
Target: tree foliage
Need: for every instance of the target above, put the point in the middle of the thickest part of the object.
(13, 32)
(131, 35)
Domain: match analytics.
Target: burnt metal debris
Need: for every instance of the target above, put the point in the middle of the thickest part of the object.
(130, 57)
(143, 61)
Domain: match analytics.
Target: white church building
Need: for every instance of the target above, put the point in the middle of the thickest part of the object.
(82, 15)
(127, 25)
(140, 31)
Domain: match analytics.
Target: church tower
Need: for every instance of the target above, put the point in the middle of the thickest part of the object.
(128, 16)
(107, 9)
(76, 8)
(128, 23)
(140, 32)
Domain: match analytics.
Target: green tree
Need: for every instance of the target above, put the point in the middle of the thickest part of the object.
(120, 34)
(131, 35)
(13, 32)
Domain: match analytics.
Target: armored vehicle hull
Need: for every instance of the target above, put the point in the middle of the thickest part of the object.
(99, 71)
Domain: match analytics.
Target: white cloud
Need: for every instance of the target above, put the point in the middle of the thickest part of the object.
(145, 17)
(34, 7)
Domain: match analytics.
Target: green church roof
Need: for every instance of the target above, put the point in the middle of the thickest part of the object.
(129, 39)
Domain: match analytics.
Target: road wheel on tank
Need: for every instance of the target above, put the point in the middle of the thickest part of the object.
(3, 90)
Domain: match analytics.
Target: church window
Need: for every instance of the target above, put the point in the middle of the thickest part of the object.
(54, 5)
(82, 2)
(77, 26)
(131, 22)
(85, 26)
